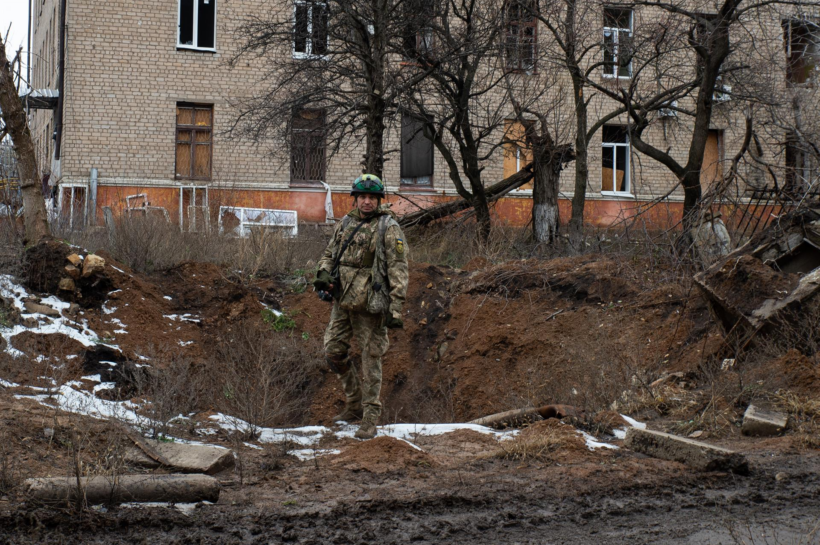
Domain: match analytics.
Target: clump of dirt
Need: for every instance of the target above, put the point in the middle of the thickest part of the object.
(746, 282)
(802, 374)
(607, 421)
(382, 455)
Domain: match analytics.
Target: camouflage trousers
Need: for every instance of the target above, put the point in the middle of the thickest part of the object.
(371, 335)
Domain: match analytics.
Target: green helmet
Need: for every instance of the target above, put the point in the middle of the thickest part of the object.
(368, 183)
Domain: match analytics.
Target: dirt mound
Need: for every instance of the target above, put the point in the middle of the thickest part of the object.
(802, 373)
(583, 277)
(382, 455)
(745, 283)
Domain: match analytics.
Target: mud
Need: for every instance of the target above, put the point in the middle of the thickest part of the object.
(636, 501)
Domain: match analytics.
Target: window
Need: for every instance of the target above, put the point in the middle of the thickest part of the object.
(617, 42)
(801, 166)
(310, 29)
(517, 154)
(522, 30)
(417, 42)
(416, 153)
(615, 161)
(802, 40)
(307, 147)
(194, 141)
(197, 24)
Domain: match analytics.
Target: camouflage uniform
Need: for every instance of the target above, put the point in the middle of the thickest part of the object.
(349, 317)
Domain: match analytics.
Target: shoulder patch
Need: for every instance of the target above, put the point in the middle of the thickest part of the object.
(399, 246)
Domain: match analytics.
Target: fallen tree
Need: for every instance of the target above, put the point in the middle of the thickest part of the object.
(494, 192)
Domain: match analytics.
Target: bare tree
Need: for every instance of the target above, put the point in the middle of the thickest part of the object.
(330, 77)
(15, 124)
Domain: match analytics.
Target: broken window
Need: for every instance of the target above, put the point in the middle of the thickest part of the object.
(615, 160)
(307, 152)
(517, 152)
(801, 166)
(197, 24)
(802, 41)
(521, 35)
(417, 42)
(617, 42)
(310, 29)
(416, 153)
(194, 141)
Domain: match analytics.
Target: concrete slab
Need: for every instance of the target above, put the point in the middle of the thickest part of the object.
(696, 454)
(184, 458)
(762, 423)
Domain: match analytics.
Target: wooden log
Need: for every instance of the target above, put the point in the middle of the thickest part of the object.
(518, 417)
(172, 488)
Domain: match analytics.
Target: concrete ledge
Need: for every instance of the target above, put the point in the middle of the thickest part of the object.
(695, 454)
(763, 423)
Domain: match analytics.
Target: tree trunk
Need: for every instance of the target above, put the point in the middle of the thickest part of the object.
(14, 116)
(576, 222)
(545, 199)
(374, 156)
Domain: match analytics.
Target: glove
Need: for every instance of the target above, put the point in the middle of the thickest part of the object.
(323, 281)
(394, 323)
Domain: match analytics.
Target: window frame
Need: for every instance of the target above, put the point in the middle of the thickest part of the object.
(308, 53)
(308, 133)
(813, 76)
(415, 185)
(195, 28)
(194, 128)
(616, 33)
(627, 170)
(516, 146)
(517, 64)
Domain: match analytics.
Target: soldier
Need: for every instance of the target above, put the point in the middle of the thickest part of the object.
(365, 268)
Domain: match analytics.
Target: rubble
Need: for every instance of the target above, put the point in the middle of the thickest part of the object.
(761, 423)
(696, 454)
(36, 308)
(758, 287)
(66, 284)
(93, 264)
(184, 458)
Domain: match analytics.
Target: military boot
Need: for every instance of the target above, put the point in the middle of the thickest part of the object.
(367, 430)
(351, 413)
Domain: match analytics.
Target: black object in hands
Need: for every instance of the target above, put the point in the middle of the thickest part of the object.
(325, 296)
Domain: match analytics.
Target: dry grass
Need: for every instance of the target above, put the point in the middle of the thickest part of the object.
(540, 442)
(805, 417)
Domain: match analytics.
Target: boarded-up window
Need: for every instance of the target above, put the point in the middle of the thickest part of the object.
(194, 141)
(416, 153)
(517, 154)
(615, 160)
(802, 40)
(307, 153)
(712, 170)
(521, 34)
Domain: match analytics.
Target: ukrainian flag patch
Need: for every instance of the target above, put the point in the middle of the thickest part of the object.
(399, 246)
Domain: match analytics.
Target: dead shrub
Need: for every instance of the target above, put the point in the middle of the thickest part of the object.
(148, 244)
(540, 442)
(263, 377)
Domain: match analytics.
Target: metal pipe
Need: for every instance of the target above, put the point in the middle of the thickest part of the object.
(91, 214)
(58, 115)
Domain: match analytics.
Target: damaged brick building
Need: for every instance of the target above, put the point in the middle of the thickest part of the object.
(135, 98)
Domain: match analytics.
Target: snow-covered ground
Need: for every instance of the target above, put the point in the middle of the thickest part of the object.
(71, 397)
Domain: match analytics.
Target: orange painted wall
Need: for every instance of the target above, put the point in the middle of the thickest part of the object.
(512, 211)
